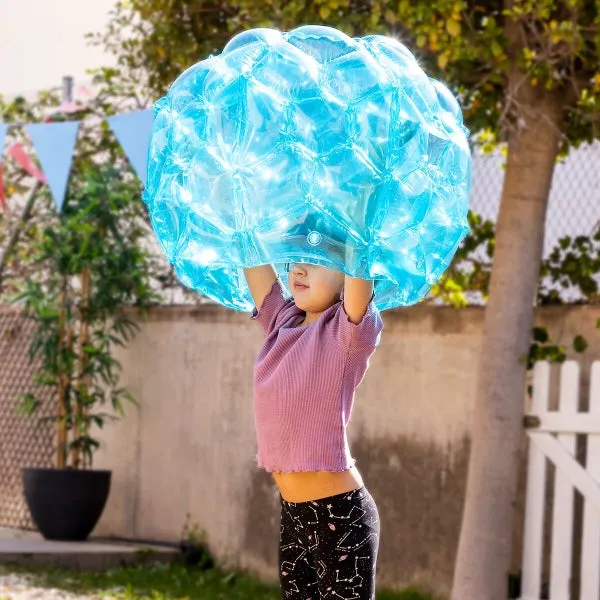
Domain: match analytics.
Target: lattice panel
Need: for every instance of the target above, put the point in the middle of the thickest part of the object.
(574, 204)
(23, 443)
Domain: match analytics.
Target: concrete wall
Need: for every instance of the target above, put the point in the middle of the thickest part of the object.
(189, 449)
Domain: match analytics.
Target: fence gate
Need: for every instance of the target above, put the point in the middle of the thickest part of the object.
(552, 436)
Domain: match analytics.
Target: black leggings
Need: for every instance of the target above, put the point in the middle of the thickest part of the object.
(328, 547)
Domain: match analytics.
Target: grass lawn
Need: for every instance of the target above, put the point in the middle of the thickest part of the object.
(166, 582)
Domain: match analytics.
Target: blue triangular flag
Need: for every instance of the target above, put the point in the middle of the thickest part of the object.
(133, 132)
(53, 144)
(3, 130)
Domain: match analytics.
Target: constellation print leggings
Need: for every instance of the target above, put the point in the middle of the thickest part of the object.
(328, 548)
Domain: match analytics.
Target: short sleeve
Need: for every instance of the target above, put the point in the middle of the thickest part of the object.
(271, 307)
(363, 336)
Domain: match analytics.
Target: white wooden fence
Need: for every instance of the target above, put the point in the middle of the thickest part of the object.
(552, 436)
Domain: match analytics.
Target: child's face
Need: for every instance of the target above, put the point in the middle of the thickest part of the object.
(313, 287)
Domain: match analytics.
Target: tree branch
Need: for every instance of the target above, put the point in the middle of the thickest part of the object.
(18, 228)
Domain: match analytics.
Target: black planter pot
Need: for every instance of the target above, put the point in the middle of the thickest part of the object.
(65, 504)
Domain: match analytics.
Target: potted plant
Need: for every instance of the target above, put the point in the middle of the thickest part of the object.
(91, 264)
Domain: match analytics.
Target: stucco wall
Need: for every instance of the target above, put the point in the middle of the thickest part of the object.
(189, 449)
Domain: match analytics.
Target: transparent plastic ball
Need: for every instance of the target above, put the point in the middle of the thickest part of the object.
(309, 146)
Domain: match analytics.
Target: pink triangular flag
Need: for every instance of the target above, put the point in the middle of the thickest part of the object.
(20, 156)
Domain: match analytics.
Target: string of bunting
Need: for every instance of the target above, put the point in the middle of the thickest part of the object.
(53, 144)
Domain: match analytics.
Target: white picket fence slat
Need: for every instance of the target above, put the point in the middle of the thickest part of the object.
(560, 449)
(536, 486)
(590, 550)
(556, 422)
(564, 495)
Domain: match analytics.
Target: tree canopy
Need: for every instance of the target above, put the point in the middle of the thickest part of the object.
(467, 44)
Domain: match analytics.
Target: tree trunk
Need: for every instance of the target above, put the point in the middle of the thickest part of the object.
(83, 383)
(483, 559)
(64, 344)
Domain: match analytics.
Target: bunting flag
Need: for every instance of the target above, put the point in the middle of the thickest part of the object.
(53, 144)
(68, 107)
(85, 91)
(133, 130)
(20, 156)
(3, 130)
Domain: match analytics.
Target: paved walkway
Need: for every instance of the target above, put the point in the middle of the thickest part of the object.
(29, 548)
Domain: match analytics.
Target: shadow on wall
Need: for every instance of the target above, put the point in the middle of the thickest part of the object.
(261, 526)
(418, 487)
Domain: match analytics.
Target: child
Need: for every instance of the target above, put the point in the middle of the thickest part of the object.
(316, 352)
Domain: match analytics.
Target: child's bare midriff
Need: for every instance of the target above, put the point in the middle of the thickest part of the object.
(313, 485)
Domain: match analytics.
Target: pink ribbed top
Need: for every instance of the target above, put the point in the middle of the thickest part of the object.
(304, 383)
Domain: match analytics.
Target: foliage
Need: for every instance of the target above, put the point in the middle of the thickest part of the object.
(72, 272)
(95, 145)
(154, 41)
(90, 263)
(169, 582)
(194, 546)
(570, 274)
(572, 269)
(461, 41)
(556, 50)
(543, 348)
(17, 184)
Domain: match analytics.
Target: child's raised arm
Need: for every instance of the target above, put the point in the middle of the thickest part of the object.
(357, 295)
(260, 281)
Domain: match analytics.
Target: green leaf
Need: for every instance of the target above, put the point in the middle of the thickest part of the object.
(540, 334)
(496, 48)
(564, 242)
(390, 16)
(324, 12)
(580, 344)
(453, 27)
(29, 404)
